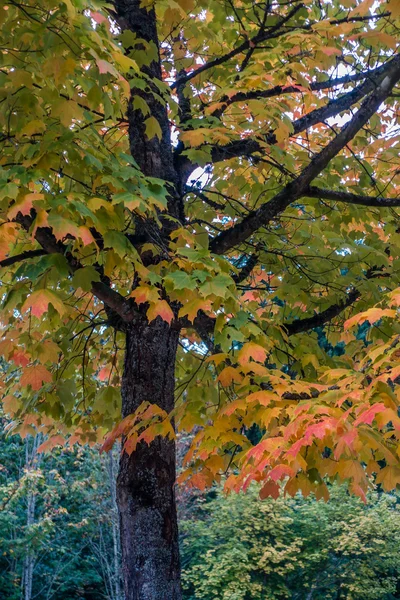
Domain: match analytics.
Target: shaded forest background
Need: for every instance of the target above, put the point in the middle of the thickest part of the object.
(59, 536)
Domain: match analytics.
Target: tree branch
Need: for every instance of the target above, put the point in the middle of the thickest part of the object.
(317, 320)
(11, 260)
(278, 90)
(271, 33)
(101, 289)
(242, 230)
(350, 198)
(248, 146)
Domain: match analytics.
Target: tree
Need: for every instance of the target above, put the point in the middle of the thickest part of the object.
(56, 525)
(188, 190)
(241, 548)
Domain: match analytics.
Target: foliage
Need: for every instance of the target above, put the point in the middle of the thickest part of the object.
(70, 535)
(241, 548)
(288, 226)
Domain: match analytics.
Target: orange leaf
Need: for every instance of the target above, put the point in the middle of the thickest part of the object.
(20, 358)
(35, 376)
(160, 309)
(251, 350)
(372, 315)
(389, 477)
(39, 302)
(281, 471)
(192, 308)
(228, 375)
(145, 293)
(24, 205)
(52, 442)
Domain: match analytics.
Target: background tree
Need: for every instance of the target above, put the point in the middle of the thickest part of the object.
(64, 549)
(241, 548)
(201, 178)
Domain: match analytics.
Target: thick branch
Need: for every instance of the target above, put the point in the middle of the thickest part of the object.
(317, 320)
(350, 198)
(247, 269)
(242, 230)
(204, 324)
(50, 245)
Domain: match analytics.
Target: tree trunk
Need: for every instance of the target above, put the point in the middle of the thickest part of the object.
(146, 479)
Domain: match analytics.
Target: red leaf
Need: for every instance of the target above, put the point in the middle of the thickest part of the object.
(369, 415)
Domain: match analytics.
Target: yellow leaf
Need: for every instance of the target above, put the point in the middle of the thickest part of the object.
(153, 128)
(389, 477)
(192, 308)
(124, 62)
(229, 375)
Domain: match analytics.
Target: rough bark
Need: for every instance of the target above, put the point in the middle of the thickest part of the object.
(146, 479)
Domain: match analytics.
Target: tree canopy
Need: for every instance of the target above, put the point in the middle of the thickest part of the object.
(241, 189)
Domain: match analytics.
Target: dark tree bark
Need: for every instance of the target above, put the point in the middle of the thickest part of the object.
(145, 485)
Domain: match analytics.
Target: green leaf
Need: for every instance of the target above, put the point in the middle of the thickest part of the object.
(84, 278)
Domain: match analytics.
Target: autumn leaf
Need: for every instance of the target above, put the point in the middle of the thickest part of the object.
(35, 376)
(145, 293)
(389, 477)
(39, 302)
(372, 315)
(191, 308)
(249, 351)
(162, 309)
(24, 205)
(229, 375)
(270, 489)
(367, 416)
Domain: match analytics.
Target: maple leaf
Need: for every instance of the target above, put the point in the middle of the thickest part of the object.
(191, 308)
(24, 205)
(35, 376)
(20, 358)
(50, 443)
(270, 489)
(389, 477)
(251, 350)
(39, 302)
(162, 309)
(369, 415)
(372, 315)
(229, 375)
(281, 471)
(145, 293)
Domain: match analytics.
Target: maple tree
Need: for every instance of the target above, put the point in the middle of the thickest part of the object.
(198, 230)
